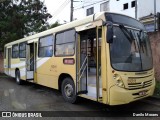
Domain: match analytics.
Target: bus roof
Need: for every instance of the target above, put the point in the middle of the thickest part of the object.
(76, 23)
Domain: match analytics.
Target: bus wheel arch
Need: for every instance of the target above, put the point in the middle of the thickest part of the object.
(61, 78)
(67, 87)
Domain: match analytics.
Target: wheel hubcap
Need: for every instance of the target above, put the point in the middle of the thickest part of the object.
(68, 90)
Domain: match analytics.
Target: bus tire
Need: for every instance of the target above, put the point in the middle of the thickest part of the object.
(17, 77)
(68, 90)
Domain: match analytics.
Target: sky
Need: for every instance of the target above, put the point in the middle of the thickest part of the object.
(60, 10)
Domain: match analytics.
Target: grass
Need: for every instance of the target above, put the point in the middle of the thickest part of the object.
(2, 75)
(157, 89)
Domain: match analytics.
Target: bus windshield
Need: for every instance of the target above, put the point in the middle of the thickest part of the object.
(130, 50)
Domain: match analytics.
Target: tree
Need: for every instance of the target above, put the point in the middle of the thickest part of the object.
(54, 25)
(19, 18)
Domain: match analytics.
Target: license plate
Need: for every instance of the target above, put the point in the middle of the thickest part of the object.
(142, 93)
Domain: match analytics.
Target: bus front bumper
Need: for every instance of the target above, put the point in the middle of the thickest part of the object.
(123, 96)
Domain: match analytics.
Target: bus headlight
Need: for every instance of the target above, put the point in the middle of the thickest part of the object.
(119, 81)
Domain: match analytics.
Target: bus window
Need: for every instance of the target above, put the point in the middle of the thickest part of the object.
(65, 43)
(22, 50)
(15, 51)
(46, 46)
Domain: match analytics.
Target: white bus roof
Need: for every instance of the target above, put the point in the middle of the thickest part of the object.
(66, 26)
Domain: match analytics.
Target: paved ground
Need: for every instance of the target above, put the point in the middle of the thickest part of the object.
(31, 97)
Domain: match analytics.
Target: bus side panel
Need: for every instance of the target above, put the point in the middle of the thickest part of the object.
(17, 63)
(5, 66)
(44, 75)
(49, 70)
(6, 62)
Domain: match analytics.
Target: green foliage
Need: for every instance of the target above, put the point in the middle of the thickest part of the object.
(157, 89)
(19, 18)
(55, 24)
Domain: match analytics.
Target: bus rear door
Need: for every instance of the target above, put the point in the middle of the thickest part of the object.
(31, 56)
(8, 60)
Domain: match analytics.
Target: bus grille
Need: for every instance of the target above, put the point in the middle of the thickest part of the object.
(133, 86)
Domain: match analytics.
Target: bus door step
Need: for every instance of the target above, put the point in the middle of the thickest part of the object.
(82, 92)
(30, 80)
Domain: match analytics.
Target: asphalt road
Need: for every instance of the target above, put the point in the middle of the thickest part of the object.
(32, 97)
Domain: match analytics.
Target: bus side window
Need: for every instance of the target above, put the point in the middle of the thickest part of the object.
(22, 50)
(15, 51)
(64, 45)
(46, 46)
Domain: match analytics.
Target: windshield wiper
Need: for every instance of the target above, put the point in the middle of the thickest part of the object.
(128, 34)
(140, 39)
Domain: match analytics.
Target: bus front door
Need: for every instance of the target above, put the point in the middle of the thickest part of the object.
(89, 63)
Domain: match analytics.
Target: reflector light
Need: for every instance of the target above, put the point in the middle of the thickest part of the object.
(69, 61)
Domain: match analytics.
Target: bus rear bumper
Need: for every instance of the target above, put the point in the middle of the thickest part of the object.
(123, 96)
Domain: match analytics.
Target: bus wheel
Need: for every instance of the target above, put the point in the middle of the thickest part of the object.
(17, 76)
(68, 90)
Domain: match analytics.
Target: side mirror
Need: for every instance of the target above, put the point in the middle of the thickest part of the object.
(109, 32)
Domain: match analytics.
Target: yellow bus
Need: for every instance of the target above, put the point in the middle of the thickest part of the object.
(105, 57)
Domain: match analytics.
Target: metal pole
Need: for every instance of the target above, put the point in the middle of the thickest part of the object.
(155, 15)
(71, 17)
(136, 6)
